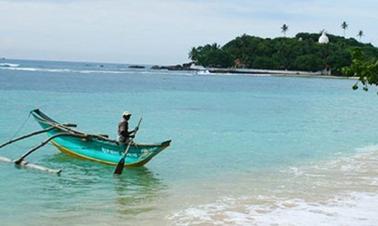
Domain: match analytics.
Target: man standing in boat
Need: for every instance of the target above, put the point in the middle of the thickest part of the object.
(123, 129)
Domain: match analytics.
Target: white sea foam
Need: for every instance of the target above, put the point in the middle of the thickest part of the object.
(343, 191)
(351, 209)
(8, 65)
(16, 67)
(65, 70)
(368, 148)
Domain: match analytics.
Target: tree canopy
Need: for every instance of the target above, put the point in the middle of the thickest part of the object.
(302, 52)
(363, 67)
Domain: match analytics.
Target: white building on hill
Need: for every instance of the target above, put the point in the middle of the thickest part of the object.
(323, 39)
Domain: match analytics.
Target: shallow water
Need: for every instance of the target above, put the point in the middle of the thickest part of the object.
(246, 149)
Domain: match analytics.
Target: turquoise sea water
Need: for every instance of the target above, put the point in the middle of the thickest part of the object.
(245, 149)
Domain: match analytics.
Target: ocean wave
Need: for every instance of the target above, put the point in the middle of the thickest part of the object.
(8, 65)
(348, 209)
(364, 158)
(351, 209)
(16, 67)
(341, 191)
(60, 70)
(368, 148)
(65, 70)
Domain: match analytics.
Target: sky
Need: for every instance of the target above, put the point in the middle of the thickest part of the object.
(164, 31)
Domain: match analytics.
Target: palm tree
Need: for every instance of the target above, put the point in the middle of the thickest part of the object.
(344, 26)
(192, 52)
(284, 29)
(360, 34)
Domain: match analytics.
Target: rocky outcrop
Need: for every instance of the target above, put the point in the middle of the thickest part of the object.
(137, 67)
(178, 67)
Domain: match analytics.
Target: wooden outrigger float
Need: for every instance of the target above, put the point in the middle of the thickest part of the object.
(31, 166)
(93, 147)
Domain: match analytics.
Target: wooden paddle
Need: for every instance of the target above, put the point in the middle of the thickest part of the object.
(121, 164)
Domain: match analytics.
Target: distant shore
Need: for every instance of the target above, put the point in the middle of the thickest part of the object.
(278, 73)
(15, 64)
(248, 71)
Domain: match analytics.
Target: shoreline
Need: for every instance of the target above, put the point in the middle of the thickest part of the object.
(315, 76)
(259, 71)
(249, 71)
(274, 73)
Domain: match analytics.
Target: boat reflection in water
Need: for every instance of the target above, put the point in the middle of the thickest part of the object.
(138, 191)
(86, 188)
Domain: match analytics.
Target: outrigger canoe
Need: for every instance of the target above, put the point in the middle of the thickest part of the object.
(97, 148)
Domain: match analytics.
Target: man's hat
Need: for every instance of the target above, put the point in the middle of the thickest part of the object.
(126, 113)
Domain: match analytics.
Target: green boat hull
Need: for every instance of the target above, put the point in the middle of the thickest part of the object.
(96, 148)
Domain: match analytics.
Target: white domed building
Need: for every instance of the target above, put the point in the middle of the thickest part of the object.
(323, 39)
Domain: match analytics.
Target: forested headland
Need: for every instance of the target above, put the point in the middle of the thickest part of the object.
(302, 52)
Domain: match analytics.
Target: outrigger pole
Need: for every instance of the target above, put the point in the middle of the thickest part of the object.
(26, 164)
(26, 136)
(18, 161)
(33, 134)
